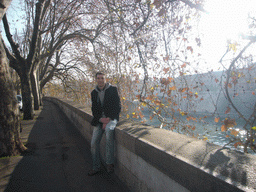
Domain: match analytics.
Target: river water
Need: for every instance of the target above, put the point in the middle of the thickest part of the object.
(207, 128)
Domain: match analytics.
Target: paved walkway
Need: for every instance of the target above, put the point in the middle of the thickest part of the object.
(60, 160)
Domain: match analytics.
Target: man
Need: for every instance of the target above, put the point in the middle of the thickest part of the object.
(106, 107)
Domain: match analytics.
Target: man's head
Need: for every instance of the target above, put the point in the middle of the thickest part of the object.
(100, 79)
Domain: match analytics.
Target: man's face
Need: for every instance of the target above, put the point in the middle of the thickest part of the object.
(100, 79)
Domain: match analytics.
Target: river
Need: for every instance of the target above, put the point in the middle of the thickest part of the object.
(206, 129)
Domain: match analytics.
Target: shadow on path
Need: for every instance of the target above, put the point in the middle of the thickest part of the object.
(59, 159)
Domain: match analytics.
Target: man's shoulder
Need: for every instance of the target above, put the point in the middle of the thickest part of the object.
(93, 91)
(112, 87)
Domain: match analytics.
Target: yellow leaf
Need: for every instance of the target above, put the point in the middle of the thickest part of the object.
(254, 128)
(133, 113)
(182, 113)
(233, 47)
(196, 93)
(123, 98)
(205, 138)
(144, 104)
(127, 116)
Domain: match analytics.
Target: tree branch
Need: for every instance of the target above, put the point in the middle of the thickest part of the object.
(32, 51)
(196, 6)
(14, 45)
(228, 76)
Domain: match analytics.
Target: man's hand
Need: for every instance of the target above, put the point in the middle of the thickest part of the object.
(105, 120)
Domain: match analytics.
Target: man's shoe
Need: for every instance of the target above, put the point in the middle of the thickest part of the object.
(110, 168)
(92, 172)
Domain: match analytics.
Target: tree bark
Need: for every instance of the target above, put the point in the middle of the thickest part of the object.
(10, 142)
(35, 89)
(27, 96)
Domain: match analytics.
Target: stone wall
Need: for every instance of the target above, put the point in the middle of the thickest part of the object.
(150, 159)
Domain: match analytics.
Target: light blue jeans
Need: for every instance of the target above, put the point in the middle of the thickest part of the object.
(95, 146)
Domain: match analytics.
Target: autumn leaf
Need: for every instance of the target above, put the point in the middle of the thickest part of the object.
(138, 96)
(182, 113)
(150, 97)
(190, 48)
(144, 104)
(233, 47)
(170, 79)
(230, 122)
(223, 128)
(141, 115)
(127, 116)
(253, 93)
(205, 138)
(157, 102)
(254, 128)
(228, 110)
(166, 58)
(237, 143)
(216, 120)
(166, 69)
(234, 132)
(183, 65)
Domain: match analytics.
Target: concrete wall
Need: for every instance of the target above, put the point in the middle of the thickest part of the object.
(150, 159)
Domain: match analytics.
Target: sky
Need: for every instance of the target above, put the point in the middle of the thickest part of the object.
(226, 20)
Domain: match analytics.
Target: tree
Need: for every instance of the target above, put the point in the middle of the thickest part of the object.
(10, 142)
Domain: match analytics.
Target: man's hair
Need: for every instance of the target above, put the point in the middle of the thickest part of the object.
(99, 73)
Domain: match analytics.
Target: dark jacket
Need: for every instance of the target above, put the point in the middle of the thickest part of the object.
(111, 105)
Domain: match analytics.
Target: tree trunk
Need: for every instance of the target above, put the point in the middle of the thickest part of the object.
(10, 142)
(35, 89)
(28, 112)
